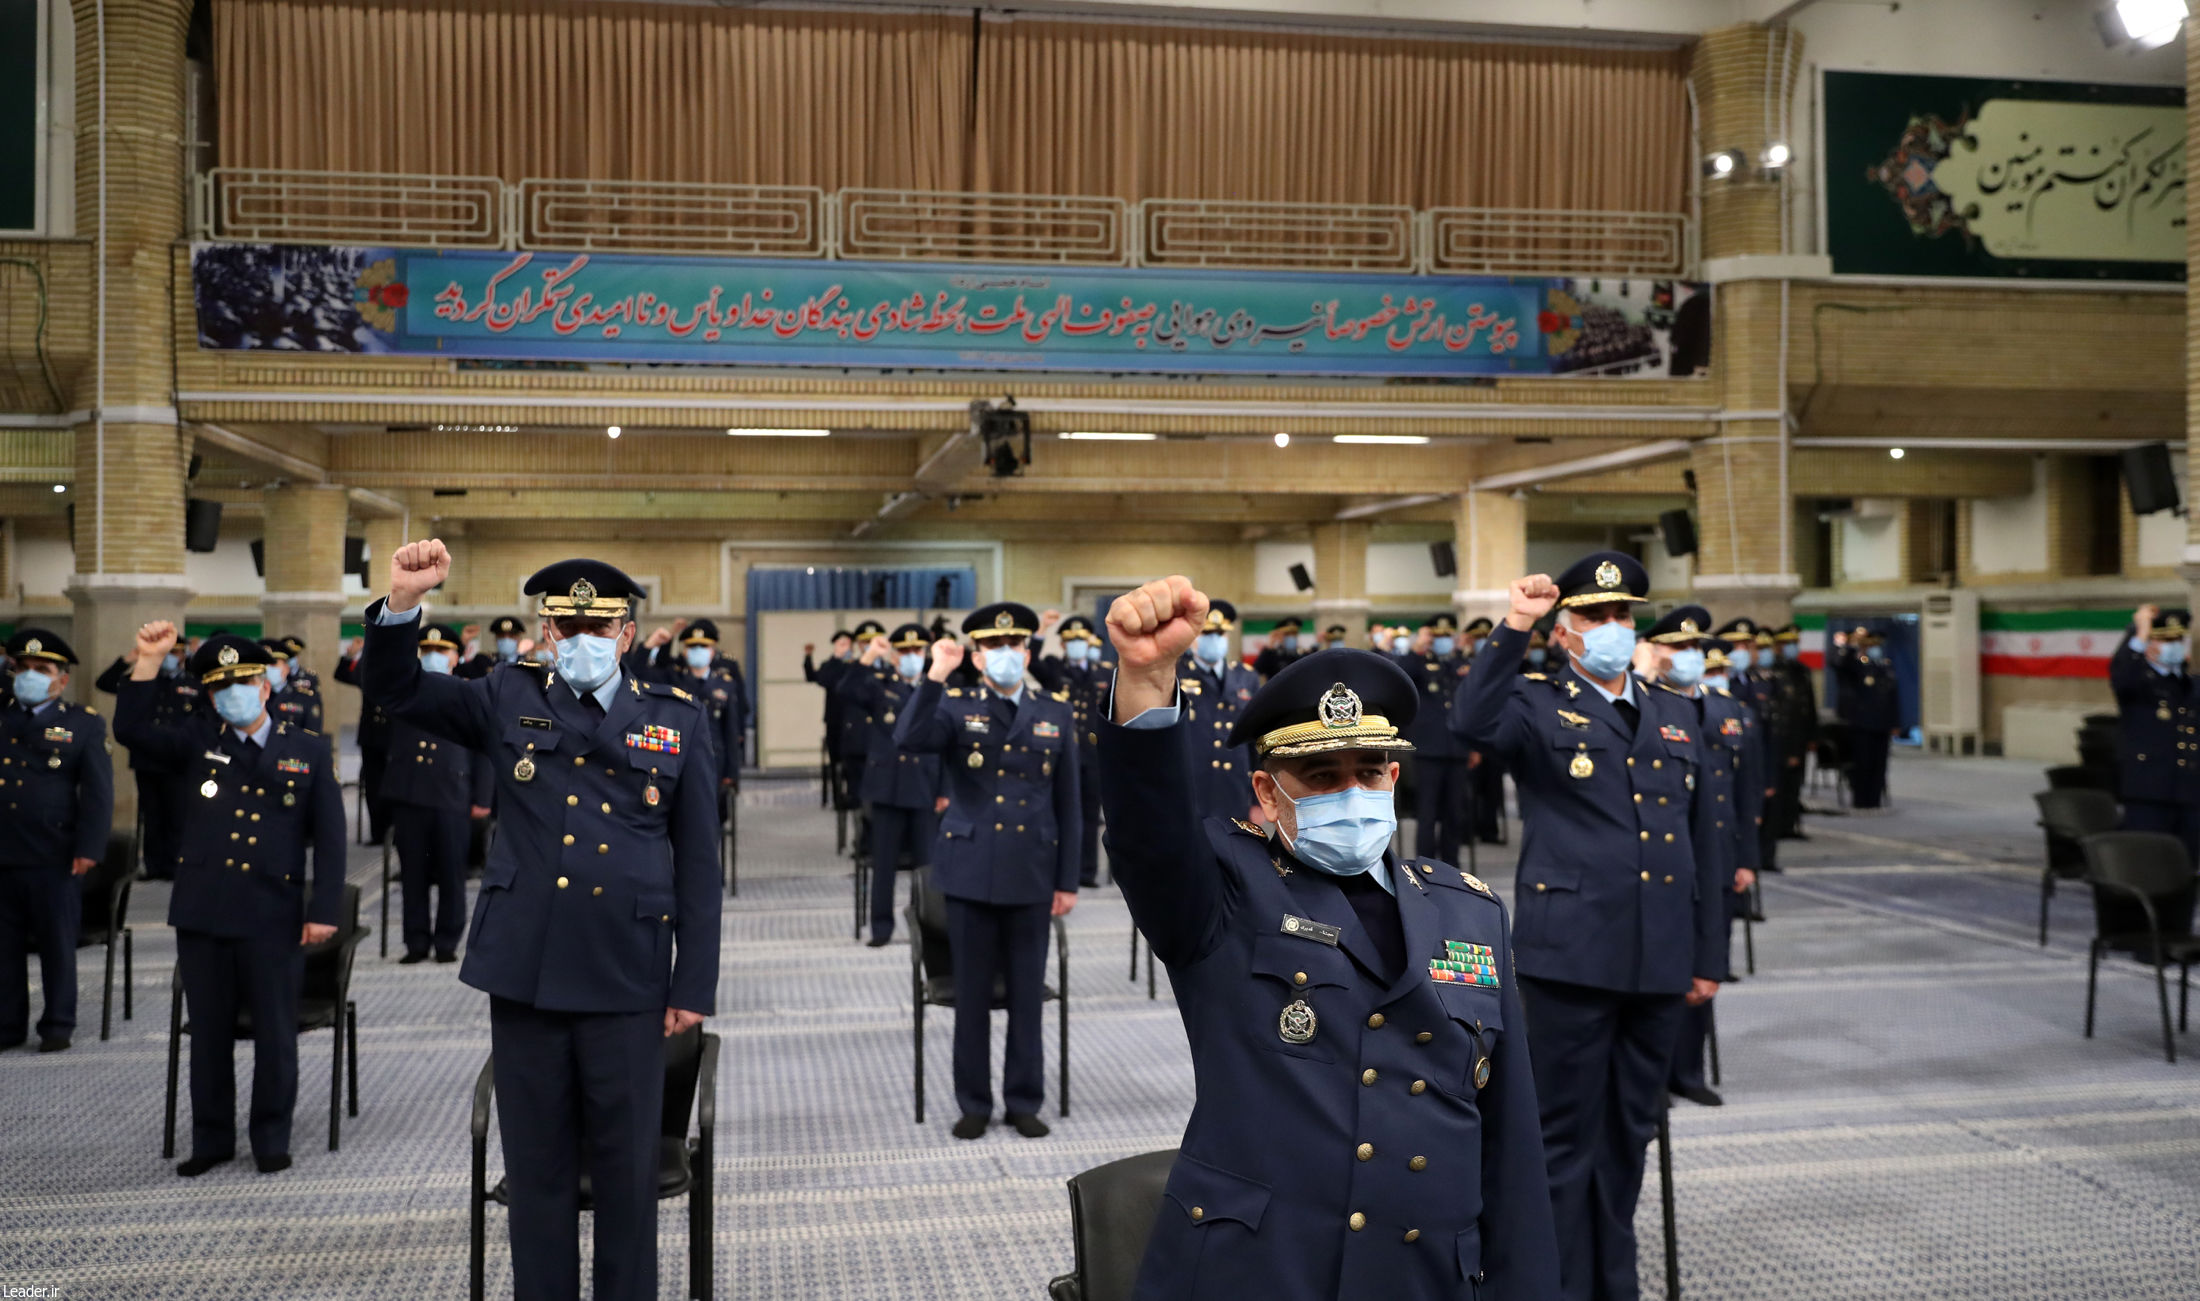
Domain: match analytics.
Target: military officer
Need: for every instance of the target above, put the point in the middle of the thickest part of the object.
(2158, 781)
(827, 677)
(436, 789)
(1082, 673)
(899, 785)
(1485, 771)
(1007, 856)
(1538, 655)
(1793, 726)
(505, 635)
(162, 792)
(1752, 685)
(243, 911)
(690, 660)
(1332, 637)
(294, 658)
(1619, 923)
(1282, 648)
(374, 745)
(1868, 702)
(59, 784)
(291, 701)
(1217, 687)
(1440, 790)
(596, 932)
(1729, 801)
(1366, 1124)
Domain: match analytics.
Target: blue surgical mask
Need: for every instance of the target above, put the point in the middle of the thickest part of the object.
(588, 661)
(1004, 667)
(1078, 651)
(1401, 646)
(2173, 654)
(435, 662)
(1741, 659)
(1715, 682)
(33, 687)
(1607, 649)
(911, 663)
(1685, 669)
(507, 648)
(700, 657)
(1343, 833)
(1442, 646)
(1875, 653)
(1290, 642)
(545, 655)
(277, 675)
(1791, 651)
(239, 704)
(1537, 656)
(1210, 647)
(171, 664)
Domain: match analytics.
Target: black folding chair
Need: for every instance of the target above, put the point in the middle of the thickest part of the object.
(1111, 1214)
(324, 1003)
(1665, 1198)
(387, 878)
(683, 1163)
(1134, 962)
(932, 977)
(2067, 816)
(106, 914)
(2076, 776)
(730, 842)
(2142, 898)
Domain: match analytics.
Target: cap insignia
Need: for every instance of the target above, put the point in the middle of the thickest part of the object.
(1688, 625)
(1341, 707)
(1004, 620)
(1607, 575)
(32, 647)
(583, 592)
(227, 657)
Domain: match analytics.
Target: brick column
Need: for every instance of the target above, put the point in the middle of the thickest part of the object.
(305, 568)
(1745, 557)
(1490, 532)
(1340, 577)
(2191, 566)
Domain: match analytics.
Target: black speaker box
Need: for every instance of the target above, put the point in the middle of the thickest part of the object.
(2150, 478)
(259, 557)
(1445, 560)
(202, 525)
(1679, 532)
(355, 557)
(1301, 579)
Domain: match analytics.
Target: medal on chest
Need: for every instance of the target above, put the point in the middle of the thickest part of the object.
(210, 788)
(1868, 679)
(1582, 767)
(524, 770)
(54, 760)
(1298, 1023)
(2161, 712)
(976, 759)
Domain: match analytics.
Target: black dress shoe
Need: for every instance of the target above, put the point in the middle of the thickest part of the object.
(52, 1045)
(1701, 1096)
(199, 1165)
(1029, 1126)
(878, 941)
(13, 1043)
(272, 1164)
(412, 959)
(971, 1126)
(446, 957)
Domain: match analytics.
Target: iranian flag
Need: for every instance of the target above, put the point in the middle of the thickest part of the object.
(2050, 643)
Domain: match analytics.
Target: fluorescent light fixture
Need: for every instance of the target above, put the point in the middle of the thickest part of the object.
(1095, 436)
(614, 431)
(1776, 156)
(1399, 440)
(61, 487)
(1283, 440)
(2150, 23)
(1894, 453)
(779, 433)
(1722, 164)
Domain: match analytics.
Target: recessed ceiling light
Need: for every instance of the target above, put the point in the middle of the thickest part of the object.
(1283, 440)
(614, 431)
(61, 487)
(1895, 453)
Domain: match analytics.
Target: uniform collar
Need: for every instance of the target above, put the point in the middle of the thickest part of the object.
(604, 694)
(258, 737)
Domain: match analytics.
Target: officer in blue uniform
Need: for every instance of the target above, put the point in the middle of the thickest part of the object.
(294, 655)
(58, 783)
(1729, 801)
(1007, 856)
(596, 931)
(1440, 790)
(436, 790)
(1869, 704)
(1283, 647)
(1791, 726)
(827, 677)
(689, 659)
(899, 785)
(1485, 771)
(2158, 776)
(1618, 924)
(373, 734)
(163, 794)
(292, 701)
(1082, 672)
(505, 635)
(1366, 1123)
(1217, 687)
(263, 792)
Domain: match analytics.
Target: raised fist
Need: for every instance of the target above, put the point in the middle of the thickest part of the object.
(415, 570)
(658, 636)
(154, 640)
(947, 656)
(1153, 626)
(876, 649)
(1532, 598)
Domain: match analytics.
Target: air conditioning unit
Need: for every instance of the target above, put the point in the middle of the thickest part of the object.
(1948, 672)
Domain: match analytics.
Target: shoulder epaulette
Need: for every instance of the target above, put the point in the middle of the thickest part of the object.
(302, 687)
(1249, 828)
(1537, 677)
(93, 710)
(309, 732)
(1062, 696)
(536, 665)
(955, 692)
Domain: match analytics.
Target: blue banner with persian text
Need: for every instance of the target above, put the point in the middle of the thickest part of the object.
(722, 311)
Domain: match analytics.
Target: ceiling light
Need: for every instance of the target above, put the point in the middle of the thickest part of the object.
(1401, 440)
(614, 431)
(1283, 440)
(779, 433)
(1086, 435)
(1722, 164)
(1894, 453)
(1775, 156)
(2150, 23)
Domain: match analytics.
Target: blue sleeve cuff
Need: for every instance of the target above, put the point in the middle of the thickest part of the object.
(383, 617)
(2138, 645)
(1151, 720)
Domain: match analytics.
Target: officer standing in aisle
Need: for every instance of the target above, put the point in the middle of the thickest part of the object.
(163, 794)
(827, 677)
(1619, 924)
(1281, 650)
(1440, 789)
(1485, 771)
(374, 746)
(1793, 726)
(1367, 1124)
(899, 785)
(263, 792)
(1217, 687)
(596, 933)
(1007, 854)
(1868, 702)
(1081, 673)
(59, 782)
(690, 661)
(2156, 783)
(436, 789)
(294, 658)
(290, 701)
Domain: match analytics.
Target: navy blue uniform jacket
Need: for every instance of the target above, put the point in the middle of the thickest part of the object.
(250, 821)
(177, 699)
(1363, 1164)
(1222, 774)
(892, 776)
(1610, 892)
(1868, 699)
(58, 782)
(429, 772)
(2153, 761)
(1013, 830)
(590, 883)
(1438, 678)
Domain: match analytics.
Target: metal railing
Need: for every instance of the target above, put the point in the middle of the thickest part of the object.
(786, 221)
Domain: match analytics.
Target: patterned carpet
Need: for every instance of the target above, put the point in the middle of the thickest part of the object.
(1911, 1109)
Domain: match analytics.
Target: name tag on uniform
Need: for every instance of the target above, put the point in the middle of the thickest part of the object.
(1045, 731)
(1672, 733)
(543, 723)
(300, 766)
(1306, 928)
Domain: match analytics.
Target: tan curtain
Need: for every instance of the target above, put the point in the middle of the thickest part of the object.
(1221, 113)
(520, 88)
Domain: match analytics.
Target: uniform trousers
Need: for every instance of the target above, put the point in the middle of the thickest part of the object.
(579, 1090)
(1600, 1059)
(1786, 814)
(431, 857)
(851, 782)
(1868, 770)
(1486, 784)
(162, 803)
(1440, 796)
(373, 762)
(899, 837)
(996, 944)
(1088, 799)
(40, 909)
(223, 975)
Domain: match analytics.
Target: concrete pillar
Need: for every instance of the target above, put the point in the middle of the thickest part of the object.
(1745, 561)
(1340, 578)
(1490, 534)
(305, 568)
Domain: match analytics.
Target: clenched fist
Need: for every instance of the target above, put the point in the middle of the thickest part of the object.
(415, 570)
(1152, 628)
(153, 642)
(947, 656)
(1532, 598)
